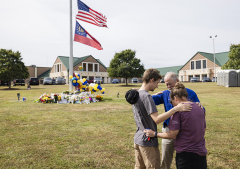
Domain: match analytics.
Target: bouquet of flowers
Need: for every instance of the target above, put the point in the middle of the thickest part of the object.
(99, 98)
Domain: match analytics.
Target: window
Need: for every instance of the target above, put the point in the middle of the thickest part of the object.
(84, 67)
(204, 64)
(58, 67)
(192, 65)
(198, 64)
(90, 67)
(96, 67)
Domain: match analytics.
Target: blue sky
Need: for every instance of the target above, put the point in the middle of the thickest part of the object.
(163, 33)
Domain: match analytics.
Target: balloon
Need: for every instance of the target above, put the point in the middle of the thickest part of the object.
(78, 81)
(70, 77)
(80, 68)
(74, 81)
(75, 84)
(99, 87)
(103, 89)
(84, 79)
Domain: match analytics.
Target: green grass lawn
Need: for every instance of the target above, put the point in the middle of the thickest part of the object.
(100, 135)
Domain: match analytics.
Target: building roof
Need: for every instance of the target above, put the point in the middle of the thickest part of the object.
(45, 74)
(164, 70)
(220, 58)
(77, 60)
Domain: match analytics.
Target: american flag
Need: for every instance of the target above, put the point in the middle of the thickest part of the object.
(89, 15)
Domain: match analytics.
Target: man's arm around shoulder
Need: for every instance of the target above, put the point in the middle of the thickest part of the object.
(158, 99)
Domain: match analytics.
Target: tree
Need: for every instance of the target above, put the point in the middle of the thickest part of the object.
(125, 65)
(11, 66)
(234, 58)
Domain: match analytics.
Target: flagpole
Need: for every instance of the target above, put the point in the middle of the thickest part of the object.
(71, 50)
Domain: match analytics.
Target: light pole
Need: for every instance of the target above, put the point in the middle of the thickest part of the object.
(214, 58)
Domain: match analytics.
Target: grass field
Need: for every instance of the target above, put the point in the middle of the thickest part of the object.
(100, 135)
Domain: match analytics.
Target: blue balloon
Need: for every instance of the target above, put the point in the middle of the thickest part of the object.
(75, 84)
(99, 87)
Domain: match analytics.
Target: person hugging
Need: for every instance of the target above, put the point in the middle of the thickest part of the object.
(188, 130)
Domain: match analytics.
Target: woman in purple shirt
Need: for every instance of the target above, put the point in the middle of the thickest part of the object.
(188, 130)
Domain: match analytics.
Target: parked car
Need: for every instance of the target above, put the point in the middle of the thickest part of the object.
(34, 81)
(60, 80)
(2, 83)
(98, 80)
(206, 79)
(134, 80)
(90, 80)
(214, 79)
(18, 82)
(115, 81)
(47, 80)
(194, 79)
(162, 80)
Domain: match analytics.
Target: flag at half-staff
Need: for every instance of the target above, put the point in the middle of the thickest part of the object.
(82, 36)
(89, 15)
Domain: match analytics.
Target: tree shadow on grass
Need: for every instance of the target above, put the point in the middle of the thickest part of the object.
(21, 89)
(128, 85)
(10, 89)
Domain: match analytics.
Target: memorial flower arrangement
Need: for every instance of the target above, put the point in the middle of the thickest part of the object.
(84, 93)
(99, 98)
(69, 97)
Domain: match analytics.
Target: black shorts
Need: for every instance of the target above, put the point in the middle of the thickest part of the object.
(187, 160)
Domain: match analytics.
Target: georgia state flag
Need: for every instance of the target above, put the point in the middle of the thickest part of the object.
(82, 36)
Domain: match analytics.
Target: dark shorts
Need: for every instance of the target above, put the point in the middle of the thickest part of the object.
(187, 160)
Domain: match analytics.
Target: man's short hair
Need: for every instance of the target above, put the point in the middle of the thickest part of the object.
(151, 73)
(171, 75)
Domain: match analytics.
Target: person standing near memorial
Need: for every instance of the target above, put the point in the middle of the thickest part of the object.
(188, 130)
(147, 153)
(164, 98)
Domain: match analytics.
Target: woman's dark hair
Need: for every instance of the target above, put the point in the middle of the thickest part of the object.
(178, 91)
(151, 73)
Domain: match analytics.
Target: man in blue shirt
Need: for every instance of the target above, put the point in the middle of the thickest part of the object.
(163, 98)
